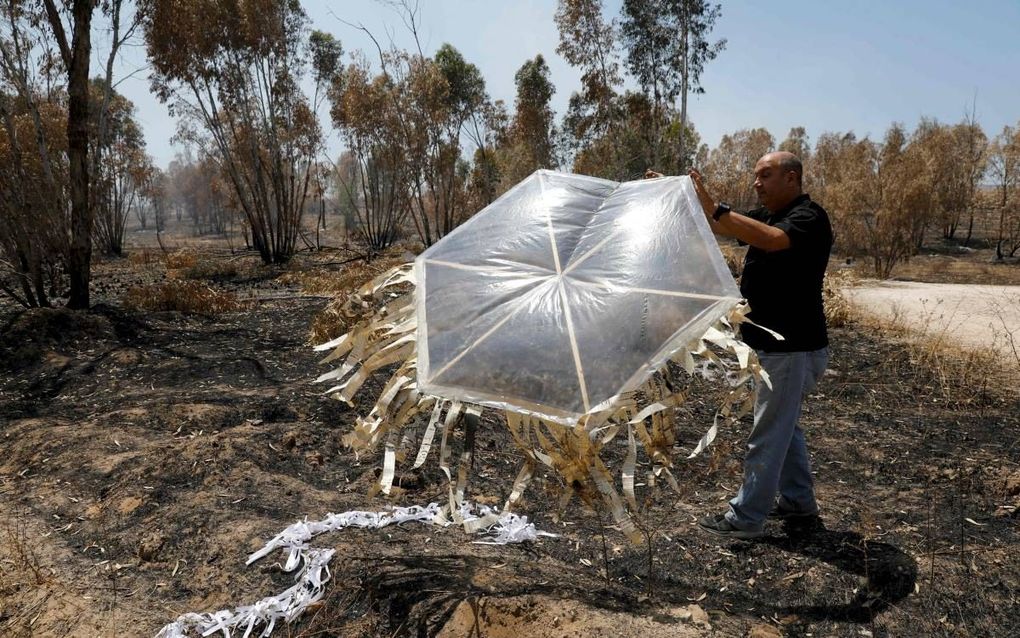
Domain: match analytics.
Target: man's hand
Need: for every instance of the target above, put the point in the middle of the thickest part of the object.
(650, 174)
(707, 203)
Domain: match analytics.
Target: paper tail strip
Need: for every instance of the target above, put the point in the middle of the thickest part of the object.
(384, 334)
(498, 528)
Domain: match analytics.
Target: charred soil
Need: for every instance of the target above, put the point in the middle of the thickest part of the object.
(146, 454)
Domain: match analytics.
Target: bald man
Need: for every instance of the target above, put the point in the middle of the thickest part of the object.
(790, 238)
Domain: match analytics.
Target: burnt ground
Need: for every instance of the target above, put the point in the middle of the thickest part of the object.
(145, 455)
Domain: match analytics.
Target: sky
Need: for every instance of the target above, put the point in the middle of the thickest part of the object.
(854, 65)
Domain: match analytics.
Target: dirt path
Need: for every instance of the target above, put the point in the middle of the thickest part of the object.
(968, 314)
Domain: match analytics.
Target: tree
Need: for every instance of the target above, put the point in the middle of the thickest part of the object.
(971, 146)
(346, 174)
(427, 105)
(529, 141)
(488, 131)
(33, 146)
(198, 189)
(121, 174)
(798, 143)
(1004, 169)
(376, 183)
(667, 48)
(233, 70)
(876, 194)
(46, 51)
(645, 137)
(730, 166)
(588, 42)
(33, 199)
(76, 54)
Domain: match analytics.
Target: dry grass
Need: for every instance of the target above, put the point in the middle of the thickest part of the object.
(966, 268)
(734, 256)
(180, 259)
(839, 311)
(181, 296)
(20, 559)
(960, 373)
(336, 318)
(314, 280)
(145, 257)
(211, 269)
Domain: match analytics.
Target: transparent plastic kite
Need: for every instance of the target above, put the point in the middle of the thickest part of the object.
(561, 304)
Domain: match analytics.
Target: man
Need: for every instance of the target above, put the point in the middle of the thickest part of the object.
(790, 239)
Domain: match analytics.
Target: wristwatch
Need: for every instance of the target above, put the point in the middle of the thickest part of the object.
(721, 210)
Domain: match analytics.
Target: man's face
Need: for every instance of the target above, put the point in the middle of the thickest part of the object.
(775, 188)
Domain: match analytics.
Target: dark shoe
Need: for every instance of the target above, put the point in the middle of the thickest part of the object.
(719, 526)
(784, 514)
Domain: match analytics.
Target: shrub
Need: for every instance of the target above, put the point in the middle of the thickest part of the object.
(336, 318)
(180, 259)
(144, 257)
(181, 296)
(211, 269)
(838, 309)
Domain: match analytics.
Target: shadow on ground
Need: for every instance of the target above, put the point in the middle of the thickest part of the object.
(890, 573)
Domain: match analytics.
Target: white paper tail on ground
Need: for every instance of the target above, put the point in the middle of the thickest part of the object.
(262, 617)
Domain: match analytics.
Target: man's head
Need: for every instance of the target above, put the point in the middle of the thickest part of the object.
(777, 179)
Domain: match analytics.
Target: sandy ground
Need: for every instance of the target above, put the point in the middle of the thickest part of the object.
(972, 315)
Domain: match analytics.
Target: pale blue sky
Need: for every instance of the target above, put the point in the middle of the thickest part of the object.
(828, 66)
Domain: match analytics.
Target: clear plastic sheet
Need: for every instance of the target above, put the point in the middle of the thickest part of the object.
(566, 292)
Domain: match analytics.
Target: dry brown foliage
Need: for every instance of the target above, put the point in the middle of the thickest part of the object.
(180, 259)
(335, 319)
(181, 296)
(211, 269)
(961, 373)
(839, 311)
(734, 256)
(144, 257)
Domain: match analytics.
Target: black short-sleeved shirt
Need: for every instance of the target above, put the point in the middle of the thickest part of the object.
(784, 287)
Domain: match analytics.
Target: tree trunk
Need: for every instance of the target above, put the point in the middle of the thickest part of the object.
(685, 26)
(80, 253)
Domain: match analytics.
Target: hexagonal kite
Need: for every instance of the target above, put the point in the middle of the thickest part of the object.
(566, 292)
(562, 304)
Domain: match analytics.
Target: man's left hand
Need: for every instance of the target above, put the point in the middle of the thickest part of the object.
(707, 203)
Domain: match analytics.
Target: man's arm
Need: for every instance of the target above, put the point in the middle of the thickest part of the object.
(748, 230)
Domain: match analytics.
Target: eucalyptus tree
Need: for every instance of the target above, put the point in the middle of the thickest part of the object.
(667, 43)
(798, 143)
(529, 140)
(375, 176)
(45, 55)
(232, 69)
(877, 193)
(1004, 171)
(405, 127)
(730, 165)
(121, 175)
(75, 55)
(589, 42)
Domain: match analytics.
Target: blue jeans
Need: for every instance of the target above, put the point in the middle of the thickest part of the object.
(777, 457)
